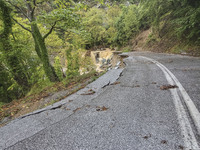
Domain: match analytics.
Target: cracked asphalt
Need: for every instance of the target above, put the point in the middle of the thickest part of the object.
(128, 111)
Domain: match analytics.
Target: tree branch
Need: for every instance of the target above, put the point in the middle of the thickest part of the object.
(50, 31)
(33, 10)
(13, 36)
(19, 10)
(34, 2)
(22, 25)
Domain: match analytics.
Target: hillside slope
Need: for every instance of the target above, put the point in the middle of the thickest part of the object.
(147, 41)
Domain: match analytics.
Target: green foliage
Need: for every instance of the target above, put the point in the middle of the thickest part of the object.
(85, 62)
(152, 38)
(100, 24)
(127, 25)
(186, 23)
(72, 62)
(1, 104)
(6, 82)
(78, 38)
(112, 15)
(80, 78)
(50, 15)
(151, 12)
(95, 24)
(65, 18)
(58, 68)
(13, 65)
(39, 80)
(127, 49)
(181, 17)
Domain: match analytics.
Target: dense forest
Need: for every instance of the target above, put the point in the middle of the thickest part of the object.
(38, 38)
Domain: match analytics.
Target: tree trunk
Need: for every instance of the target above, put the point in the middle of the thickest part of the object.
(42, 53)
(40, 46)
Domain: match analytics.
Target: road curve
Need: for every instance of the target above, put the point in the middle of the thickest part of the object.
(128, 111)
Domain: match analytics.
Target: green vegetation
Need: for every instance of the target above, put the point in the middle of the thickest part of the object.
(43, 42)
(1, 104)
(126, 49)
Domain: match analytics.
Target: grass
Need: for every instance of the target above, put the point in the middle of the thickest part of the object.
(66, 82)
(152, 38)
(179, 48)
(1, 104)
(127, 49)
(51, 102)
(39, 87)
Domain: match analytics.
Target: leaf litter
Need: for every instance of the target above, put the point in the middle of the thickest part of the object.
(89, 92)
(167, 87)
(101, 108)
(115, 83)
(147, 136)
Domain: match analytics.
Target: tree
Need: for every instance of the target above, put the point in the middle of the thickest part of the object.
(39, 40)
(42, 11)
(12, 61)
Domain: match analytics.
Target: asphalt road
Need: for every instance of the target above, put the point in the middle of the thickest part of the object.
(125, 109)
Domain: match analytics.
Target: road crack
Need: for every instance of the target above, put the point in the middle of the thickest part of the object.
(53, 108)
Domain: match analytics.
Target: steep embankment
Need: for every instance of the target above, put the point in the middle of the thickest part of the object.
(147, 41)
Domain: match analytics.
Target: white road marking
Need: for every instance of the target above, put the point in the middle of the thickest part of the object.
(186, 129)
(190, 105)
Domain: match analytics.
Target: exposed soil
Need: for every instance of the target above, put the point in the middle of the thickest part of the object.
(139, 42)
